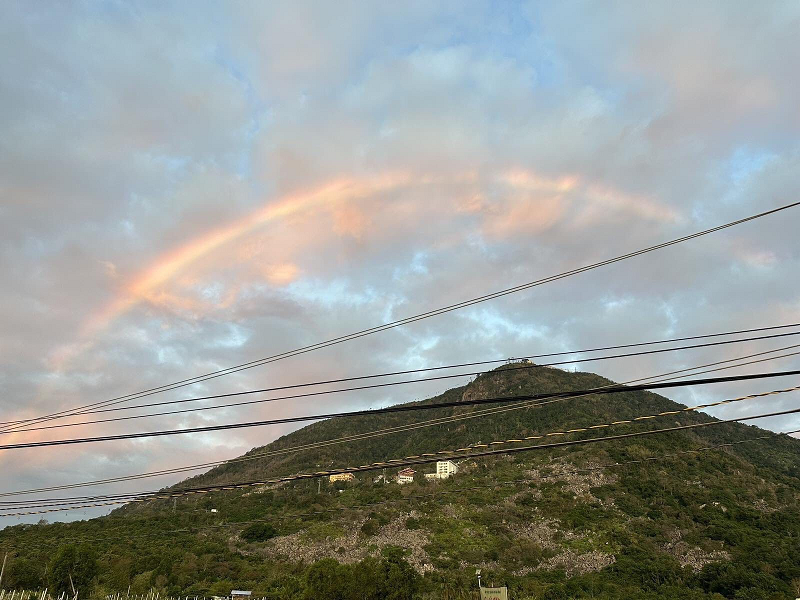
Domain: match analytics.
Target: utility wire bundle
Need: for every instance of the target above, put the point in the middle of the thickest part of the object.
(476, 450)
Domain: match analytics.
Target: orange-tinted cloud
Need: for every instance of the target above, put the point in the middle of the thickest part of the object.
(527, 180)
(528, 203)
(163, 269)
(280, 274)
(518, 201)
(349, 221)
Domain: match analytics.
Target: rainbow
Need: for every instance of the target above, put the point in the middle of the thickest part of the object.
(144, 286)
(167, 266)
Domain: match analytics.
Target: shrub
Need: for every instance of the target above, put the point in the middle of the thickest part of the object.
(370, 527)
(259, 532)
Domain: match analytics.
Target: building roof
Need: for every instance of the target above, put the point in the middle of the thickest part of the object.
(406, 471)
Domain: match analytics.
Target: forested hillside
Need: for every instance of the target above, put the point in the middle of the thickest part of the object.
(639, 518)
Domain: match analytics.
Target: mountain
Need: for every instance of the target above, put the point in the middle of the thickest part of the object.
(556, 523)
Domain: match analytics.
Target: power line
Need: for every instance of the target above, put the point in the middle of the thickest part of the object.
(425, 459)
(421, 459)
(7, 505)
(414, 497)
(401, 428)
(468, 364)
(11, 505)
(411, 319)
(351, 389)
(596, 426)
(434, 495)
(388, 409)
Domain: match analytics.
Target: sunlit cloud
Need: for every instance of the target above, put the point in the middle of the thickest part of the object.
(281, 274)
(515, 201)
(171, 208)
(166, 267)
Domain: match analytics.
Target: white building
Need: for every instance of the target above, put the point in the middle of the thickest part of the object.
(445, 468)
(405, 476)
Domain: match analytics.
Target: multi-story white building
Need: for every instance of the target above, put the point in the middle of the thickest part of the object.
(445, 468)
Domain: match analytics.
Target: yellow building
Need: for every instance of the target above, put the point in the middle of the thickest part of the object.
(342, 477)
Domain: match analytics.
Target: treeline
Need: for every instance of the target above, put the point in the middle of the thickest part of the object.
(73, 568)
(638, 573)
(76, 569)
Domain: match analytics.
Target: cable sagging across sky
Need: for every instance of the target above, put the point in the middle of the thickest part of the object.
(411, 319)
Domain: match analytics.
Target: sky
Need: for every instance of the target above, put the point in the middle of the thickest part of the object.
(186, 186)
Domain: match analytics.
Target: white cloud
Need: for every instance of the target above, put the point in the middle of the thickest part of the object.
(515, 146)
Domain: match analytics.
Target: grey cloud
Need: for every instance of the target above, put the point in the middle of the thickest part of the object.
(128, 133)
(720, 70)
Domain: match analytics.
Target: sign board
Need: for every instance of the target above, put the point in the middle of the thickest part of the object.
(498, 593)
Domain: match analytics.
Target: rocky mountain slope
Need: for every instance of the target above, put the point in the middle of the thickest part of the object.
(557, 523)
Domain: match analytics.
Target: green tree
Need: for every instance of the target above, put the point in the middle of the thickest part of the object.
(119, 573)
(326, 579)
(259, 532)
(370, 527)
(399, 579)
(22, 573)
(364, 581)
(73, 566)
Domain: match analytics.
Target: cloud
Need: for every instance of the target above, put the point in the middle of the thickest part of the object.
(281, 274)
(718, 71)
(183, 190)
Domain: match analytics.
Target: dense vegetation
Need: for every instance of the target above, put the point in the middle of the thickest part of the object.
(549, 524)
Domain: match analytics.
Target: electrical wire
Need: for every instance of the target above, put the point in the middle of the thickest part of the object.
(411, 461)
(396, 429)
(9, 505)
(414, 318)
(411, 498)
(388, 409)
(351, 389)
(415, 497)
